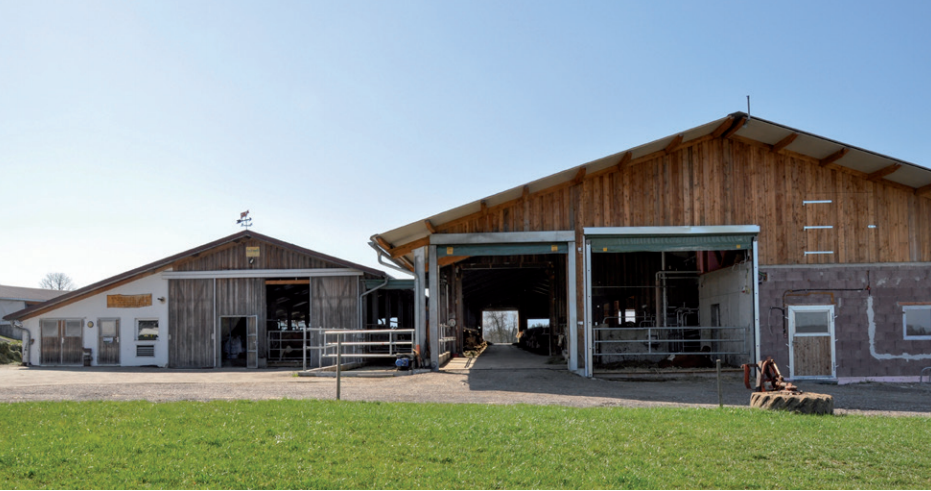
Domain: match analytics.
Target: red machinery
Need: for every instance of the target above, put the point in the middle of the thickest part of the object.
(768, 377)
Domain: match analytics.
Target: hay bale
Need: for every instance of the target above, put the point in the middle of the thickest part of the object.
(802, 403)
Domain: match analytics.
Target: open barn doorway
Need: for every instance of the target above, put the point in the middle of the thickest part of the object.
(287, 314)
(676, 301)
(493, 299)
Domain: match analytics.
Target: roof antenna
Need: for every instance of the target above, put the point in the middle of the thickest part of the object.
(748, 111)
(244, 219)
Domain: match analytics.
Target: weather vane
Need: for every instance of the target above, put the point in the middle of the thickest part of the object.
(244, 219)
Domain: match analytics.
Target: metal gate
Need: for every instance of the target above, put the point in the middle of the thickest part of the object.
(252, 343)
(62, 341)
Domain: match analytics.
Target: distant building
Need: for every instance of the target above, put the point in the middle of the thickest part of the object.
(243, 300)
(16, 298)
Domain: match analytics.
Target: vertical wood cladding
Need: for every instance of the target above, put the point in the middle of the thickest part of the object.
(245, 297)
(233, 256)
(334, 305)
(191, 324)
(734, 182)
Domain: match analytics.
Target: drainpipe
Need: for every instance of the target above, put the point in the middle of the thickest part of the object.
(382, 254)
(25, 337)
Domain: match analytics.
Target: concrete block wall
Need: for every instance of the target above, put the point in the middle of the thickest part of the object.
(858, 293)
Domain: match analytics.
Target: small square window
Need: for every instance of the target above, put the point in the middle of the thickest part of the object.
(916, 320)
(147, 330)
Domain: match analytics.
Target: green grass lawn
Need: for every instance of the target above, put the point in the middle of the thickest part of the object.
(332, 444)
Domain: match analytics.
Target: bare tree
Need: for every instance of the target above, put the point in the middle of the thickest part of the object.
(57, 281)
(500, 326)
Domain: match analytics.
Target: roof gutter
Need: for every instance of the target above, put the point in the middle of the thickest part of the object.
(383, 253)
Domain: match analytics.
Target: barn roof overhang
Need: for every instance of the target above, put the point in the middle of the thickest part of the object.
(166, 263)
(396, 244)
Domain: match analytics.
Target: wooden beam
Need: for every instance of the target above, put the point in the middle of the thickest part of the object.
(834, 157)
(430, 226)
(287, 282)
(723, 127)
(526, 192)
(785, 142)
(579, 176)
(737, 126)
(625, 159)
(484, 207)
(446, 261)
(410, 246)
(924, 190)
(885, 171)
(383, 243)
(671, 147)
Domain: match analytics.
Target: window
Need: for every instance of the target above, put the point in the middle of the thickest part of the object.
(815, 323)
(916, 320)
(147, 330)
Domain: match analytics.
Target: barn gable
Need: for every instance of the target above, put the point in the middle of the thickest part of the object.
(837, 231)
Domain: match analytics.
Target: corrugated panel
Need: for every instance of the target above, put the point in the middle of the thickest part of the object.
(672, 243)
(500, 249)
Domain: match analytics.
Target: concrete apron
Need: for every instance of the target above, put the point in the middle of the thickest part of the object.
(502, 357)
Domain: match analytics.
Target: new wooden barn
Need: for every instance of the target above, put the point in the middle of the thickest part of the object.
(243, 300)
(738, 239)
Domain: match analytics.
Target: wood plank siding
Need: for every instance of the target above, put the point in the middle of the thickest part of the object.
(733, 181)
(245, 297)
(190, 316)
(233, 256)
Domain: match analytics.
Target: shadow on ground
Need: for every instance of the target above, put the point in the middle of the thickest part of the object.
(513, 370)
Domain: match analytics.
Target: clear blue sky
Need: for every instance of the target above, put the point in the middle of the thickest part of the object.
(133, 130)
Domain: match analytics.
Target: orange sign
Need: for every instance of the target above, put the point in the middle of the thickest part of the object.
(129, 301)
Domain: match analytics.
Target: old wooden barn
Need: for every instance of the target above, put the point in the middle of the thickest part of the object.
(738, 239)
(243, 300)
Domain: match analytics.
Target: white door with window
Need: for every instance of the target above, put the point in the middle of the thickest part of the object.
(811, 341)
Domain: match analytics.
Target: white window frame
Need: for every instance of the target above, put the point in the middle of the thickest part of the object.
(905, 309)
(136, 332)
(829, 310)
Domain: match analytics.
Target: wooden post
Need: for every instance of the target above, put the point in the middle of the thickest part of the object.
(339, 364)
(718, 368)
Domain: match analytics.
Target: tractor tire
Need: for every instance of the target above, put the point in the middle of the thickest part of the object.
(805, 403)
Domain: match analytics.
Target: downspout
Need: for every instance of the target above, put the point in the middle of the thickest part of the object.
(25, 337)
(381, 255)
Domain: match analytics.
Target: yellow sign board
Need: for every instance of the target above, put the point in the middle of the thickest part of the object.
(129, 301)
(252, 251)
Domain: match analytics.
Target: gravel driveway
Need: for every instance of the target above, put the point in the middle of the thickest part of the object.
(513, 386)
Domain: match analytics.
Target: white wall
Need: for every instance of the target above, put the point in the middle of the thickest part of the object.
(95, 308)
(731, 288)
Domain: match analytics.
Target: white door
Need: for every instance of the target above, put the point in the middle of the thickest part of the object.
(811, 341)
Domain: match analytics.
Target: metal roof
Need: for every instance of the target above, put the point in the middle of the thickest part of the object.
(28, 294)
(753, 128)
(166, 262)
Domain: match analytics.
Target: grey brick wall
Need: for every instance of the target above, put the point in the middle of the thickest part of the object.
(887, 285)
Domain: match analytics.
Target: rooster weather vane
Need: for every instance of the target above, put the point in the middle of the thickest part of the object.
(244, 219)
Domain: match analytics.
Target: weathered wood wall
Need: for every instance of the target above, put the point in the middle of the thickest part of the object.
(733, 181)
(334, 305)
(233, 256)
(245, 297)
(191, 324)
